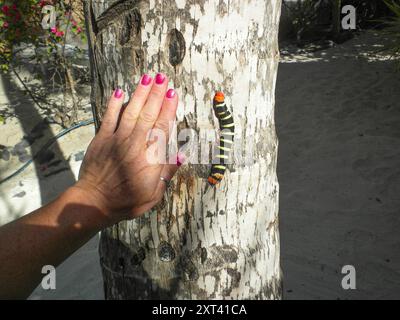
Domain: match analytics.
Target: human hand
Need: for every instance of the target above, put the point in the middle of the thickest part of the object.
(116, 172)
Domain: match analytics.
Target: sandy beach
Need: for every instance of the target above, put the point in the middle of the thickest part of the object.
(338, 123)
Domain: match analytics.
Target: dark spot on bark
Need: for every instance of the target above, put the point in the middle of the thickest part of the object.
(235, 275)
(222, 9)
(138, 257)
(165, 252)
(209, 214)
(221, 212)
(184, 239)
(203, 255)
(177, 47)
(20, 194)
(189, 268)
(121, 262)
(112, 14)
(235, 280)
(228, 253)
(131, 27)
(221, 255)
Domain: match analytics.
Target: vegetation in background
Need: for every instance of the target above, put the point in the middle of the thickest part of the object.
(392, 29)
(21, 26)
(314, 20)
(303, 15)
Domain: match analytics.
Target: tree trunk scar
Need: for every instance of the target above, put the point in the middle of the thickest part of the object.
(114, 13)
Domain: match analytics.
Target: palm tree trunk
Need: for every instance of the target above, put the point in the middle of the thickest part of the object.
(223, 243)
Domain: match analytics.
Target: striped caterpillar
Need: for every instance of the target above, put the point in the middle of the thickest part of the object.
(227, 128)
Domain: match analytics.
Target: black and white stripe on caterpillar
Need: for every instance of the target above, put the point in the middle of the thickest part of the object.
(227, 127)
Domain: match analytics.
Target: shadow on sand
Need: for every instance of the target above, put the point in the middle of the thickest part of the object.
(337, 118)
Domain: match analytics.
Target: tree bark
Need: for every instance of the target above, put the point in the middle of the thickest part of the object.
(219, 244)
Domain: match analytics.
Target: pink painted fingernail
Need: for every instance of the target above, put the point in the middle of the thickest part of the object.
(170, 93)
(118, 93)
(180, 159)
(146, 79)
(160, 78)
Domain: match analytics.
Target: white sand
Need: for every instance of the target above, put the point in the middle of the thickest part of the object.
(338, 121)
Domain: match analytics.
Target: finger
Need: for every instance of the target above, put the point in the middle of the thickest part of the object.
(168, 171)
(168, 112)
(110, 119)
(149, 113)
(132, 110)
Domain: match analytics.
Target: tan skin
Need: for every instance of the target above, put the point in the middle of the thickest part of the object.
(116, 182)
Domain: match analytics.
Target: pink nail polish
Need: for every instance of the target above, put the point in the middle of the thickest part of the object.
(146, 79)
(180, 159)
(160, 78)
(170, 93)
(118, 93)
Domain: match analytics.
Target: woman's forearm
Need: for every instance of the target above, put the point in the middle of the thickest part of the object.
(46, 236)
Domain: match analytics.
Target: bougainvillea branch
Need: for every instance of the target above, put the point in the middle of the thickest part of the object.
(21, 22)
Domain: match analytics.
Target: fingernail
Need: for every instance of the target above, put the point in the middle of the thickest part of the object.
(160, 78)
(180, 159)
(146, 79)
(170, 93)
(118, 93)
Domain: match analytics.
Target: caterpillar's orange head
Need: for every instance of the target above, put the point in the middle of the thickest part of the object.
(213, 182)
(219, 97)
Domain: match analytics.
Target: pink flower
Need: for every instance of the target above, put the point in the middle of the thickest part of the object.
(14, 7)
(60, 33)
(5, 25)
(74, 23)
(5, 9)
(79, 30)
(53, 30)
